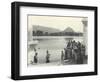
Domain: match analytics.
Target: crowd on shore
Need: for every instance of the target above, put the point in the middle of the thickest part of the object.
(74, 51)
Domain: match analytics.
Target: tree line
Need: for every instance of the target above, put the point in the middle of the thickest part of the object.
(41, 33)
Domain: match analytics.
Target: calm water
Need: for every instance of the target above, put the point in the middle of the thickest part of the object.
(53, 44)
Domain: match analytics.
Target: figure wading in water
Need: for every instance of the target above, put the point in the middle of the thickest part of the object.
(35, 57)
(47, 57)
(62, 57)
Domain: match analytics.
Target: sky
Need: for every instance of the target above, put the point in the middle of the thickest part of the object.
(58, 22)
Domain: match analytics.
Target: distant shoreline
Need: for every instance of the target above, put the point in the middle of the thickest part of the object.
(57, 37)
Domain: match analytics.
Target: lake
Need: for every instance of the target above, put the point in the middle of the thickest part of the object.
(54, 44)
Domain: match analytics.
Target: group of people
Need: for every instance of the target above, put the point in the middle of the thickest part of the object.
(36, 57)
(74, 51)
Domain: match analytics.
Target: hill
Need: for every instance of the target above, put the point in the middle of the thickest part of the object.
(45, 29)
(68, 29)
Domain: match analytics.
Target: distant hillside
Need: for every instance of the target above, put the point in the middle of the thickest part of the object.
(68, 29)
(48, 31)
(45, 29)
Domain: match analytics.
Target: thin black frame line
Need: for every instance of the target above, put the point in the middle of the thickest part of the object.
(16, 38)
(51, 5)
(15, 42)
(55, 16)
(61, 75)
(96, 40)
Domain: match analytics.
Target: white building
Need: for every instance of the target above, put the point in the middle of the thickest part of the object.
(85, 35)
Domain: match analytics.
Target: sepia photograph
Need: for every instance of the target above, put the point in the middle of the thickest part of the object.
(56, 40)
(53, 40)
